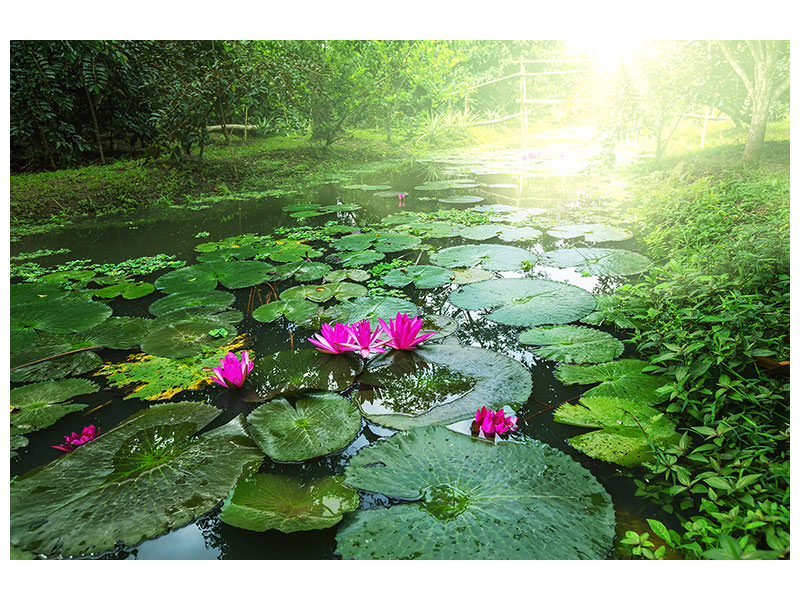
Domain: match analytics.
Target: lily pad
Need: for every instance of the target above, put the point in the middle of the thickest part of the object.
(303, 271)
(371, 308)
(527, 302)
(359, 258)
(399, 219)
(209, 299)
(237, 274)
(395, 242)
(465, 276)
(59, 316)
(475, 500)
(598, 261)
(622, 378)
(492, 257)
(423, 277)
(354, 242)
(143, 478)
(480, 232)
(42, 404)
(291, 251)
(130, 290)
(461, 199)
(27, 293)
(183, 339)
(628, 428)
(226, 319)
(296, 311)
(572, 344)
(119, 333)
(366, 187)
(57, 368)
(288, 504)
(509, 233)
(293, 371)
(434, 229)
(433, 186)
(358, 275)
(195, 278)
(594, 232)
(439, 384)
(314, 425)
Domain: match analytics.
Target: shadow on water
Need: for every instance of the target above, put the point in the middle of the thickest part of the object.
(501, 179)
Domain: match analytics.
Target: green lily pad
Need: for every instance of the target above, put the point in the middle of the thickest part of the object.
(156, 378)
(439, 384)
(355, 242)
(461, 199)
(423, 277)
(119, 333)
(572, 344)
(130, 290)
(492, 257)
(57, 368)
(434, 229)
(42, 404)
(475, 500)
(365, 187)
(213, 299)
(291, 251)
(442, 325)
(395, 242)
(358, 259)
(598, 261)
(594, 232)
(238, 274)
(465, 276)
(622, 378)
(315, 293)
(143, 478)
(293, 371)
(509, 233)
(288, 504)
(227, 319)
(59, 316)
(296, 311)
(195, 278)
(371, 308)
(628, 428)
(358, 275)
(303, 271)
(399, 219)
(480, 232)
(527, 302)
(75, 275)
(317, 424)
(434, 186)
(229, 254)
(183, 339)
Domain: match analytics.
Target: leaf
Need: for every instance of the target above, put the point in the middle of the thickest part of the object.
(213, 299)
(474, 500)
(598, 261)
(143, 478)
(492, 257)
(57, 368)
(621, 378)
(593, 232)
(527, 302)
(183, 339)
(291, 251)
(296, 311)
(659, 529)
(40, 405)
(572, 344)
(194, 278)
(316, 424)
(461, 199)
(423, 277)
(60, 316)
(372, 308)
(237, 274)
(439, 384)
(28, 293)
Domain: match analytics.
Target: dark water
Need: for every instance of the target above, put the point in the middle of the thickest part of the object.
(552, 184)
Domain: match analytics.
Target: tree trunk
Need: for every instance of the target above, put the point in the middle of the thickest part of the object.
(96, 126)
(758, 128)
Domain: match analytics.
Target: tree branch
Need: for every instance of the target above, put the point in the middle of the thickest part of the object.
(736, 67)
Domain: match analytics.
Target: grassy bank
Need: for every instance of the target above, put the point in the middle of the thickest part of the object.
(713, 315)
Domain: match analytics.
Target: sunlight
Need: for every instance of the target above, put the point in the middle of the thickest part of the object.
(607, 52)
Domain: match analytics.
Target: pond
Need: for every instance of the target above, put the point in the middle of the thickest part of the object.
(513, 279)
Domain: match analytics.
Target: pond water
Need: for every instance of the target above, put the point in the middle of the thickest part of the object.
(549, 182)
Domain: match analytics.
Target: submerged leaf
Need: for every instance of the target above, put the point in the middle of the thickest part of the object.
(572, 344)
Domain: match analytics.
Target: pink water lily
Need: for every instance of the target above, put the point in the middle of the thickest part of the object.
(403, 331)
(332, 340)
(232, 370)
(364, 340)
(73, 440)
(402, 199)
(490, 422)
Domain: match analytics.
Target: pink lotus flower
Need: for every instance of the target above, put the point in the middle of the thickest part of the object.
(402, 199)
(403, 331)
(232, 370)
(74, 440)
(332, 340)
(490, 422)
(363, 340)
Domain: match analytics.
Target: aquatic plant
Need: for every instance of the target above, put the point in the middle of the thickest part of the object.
(73, 440)
(403, 331)
(233, 370)
(332, 340)
(491, 422)
(364, 340)
(402, 199)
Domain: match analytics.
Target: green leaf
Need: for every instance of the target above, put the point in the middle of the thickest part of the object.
(474, 500)
(40, 405)
(598, 261)
(237, 274)
(317, 424)
(372, 308)
(195, 278)
(213, 299)
(593, 232)
(572, 344)
(183, 339)
(491, 257)
(296, 311)
(659, 529)
(60, 316)
(439, 384)
(461, 199)
(149, 475)
(527, 302)
(423, 277)
(622, 378)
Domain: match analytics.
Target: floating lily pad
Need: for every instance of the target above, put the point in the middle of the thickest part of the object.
(475, 500)
(628, 428)
(622, 378)
(355, 242)
(395, 242)
(226, 319)
(433, 186)
(372, 309)
(594, 232)
(314, 424)
(57, 368)
(296, 311)
(509, 233)
(359, 275)
(366, 187)
(527, 302)
(439, 384)
(274, 501)
(461, 199)
(195, 278)
(442, 325)
(465, 276)
(293, 371)
(119, 333)
(423, 277)
(480, 232)
(183, 339)
(315, 293)
(59, 316)
(572, 344)
(213, 299)
(303, 271)
(42, 404)
(130, 290)
(143, 478)
(434, 229)
(74, 275)
(291, 251)
(229, 254)
(157, 378)
(358, 259)
(237, 274)
(492, 257)
(598, 261)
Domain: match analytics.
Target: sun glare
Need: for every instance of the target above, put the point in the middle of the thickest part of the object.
(606, 52)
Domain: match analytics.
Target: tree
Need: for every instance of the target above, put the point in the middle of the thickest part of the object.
(763, 67)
